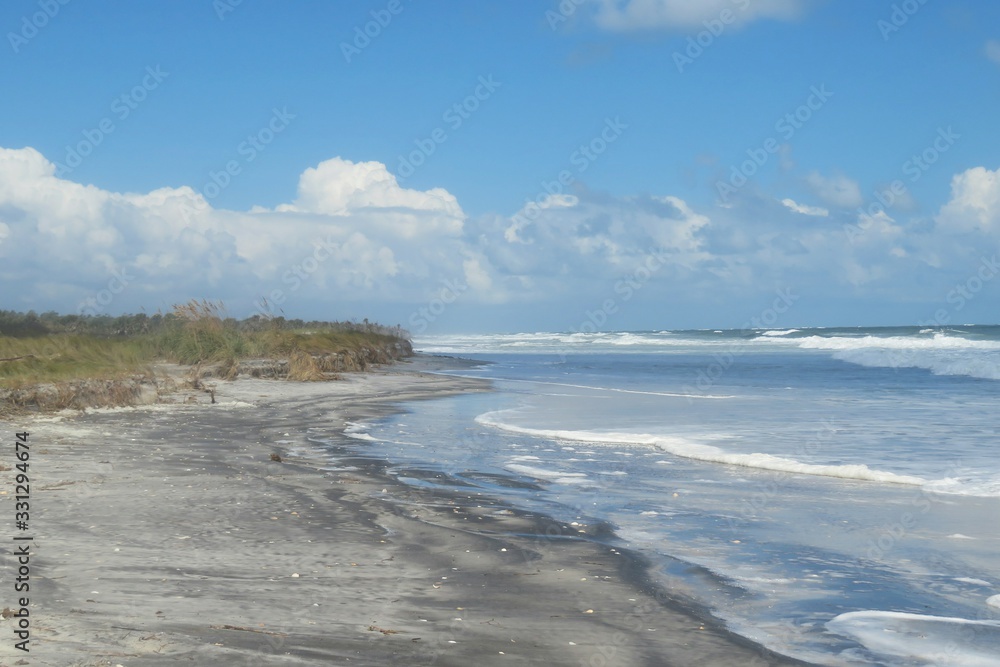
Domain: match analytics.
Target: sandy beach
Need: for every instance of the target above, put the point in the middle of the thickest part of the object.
(167, 535)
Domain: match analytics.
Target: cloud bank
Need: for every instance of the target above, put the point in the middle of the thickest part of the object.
(354, 238)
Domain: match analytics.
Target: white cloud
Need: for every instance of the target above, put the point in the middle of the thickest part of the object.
(557, 250)
(993, 50)
(836, 190)
(974, 204)
(353, 235)
(338, 187)
(805, 210)
(477, 275)
(622, 15)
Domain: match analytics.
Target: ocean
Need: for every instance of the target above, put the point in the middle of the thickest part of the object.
(833, 494)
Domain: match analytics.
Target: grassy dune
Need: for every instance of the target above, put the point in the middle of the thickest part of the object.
(196, 333)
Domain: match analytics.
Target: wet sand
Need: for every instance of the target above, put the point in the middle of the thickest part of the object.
(166, 535)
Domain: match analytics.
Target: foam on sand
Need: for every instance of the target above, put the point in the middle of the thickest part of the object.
(543, 473)
(358, 431)
(932, 640)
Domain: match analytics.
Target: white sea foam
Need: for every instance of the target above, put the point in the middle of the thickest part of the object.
(986, 486)
(556, 342)
(618, 390)
(358, 431)
(942, 354)
(972, 580)
(542, 473)
(932, 640)
(700, 452)
(760, 583)
(939, 341)
(993, 601)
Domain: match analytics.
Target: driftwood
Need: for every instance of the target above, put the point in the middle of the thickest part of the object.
(25, 356)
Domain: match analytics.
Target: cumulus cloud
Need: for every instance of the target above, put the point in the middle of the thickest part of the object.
(591, 234)
(974, 204)
(354, 235)
(339, 187)
(623, 15)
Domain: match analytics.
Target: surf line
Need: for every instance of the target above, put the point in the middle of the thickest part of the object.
(622, 391)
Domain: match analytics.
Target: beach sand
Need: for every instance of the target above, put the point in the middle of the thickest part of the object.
(166, 535)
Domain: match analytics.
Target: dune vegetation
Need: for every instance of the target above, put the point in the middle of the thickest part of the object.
(52, 348)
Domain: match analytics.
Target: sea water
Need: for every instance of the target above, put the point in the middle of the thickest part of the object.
(833, 494)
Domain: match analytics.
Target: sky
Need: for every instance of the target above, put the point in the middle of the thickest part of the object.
(506, 166)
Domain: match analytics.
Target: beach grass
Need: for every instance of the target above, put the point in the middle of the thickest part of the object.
(195, 333)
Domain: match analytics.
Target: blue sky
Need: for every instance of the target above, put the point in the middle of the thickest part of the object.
(735, 150)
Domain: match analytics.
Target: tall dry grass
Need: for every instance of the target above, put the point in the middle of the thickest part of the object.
(199, 333)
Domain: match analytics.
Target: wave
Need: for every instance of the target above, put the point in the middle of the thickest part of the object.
(624, 391)
(939, 341)
(955, 352)
(707, 453)
(985, 486)
(987, 338)
(932, 640)
(940, 354)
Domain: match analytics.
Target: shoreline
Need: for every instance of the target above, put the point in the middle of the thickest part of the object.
(179, 540)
